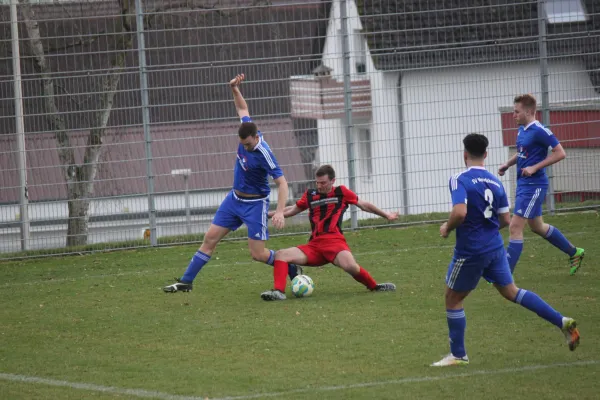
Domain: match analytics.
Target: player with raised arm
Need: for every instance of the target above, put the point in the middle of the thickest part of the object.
(326, 204)
(533, 142)
(479, 211)
(248, 201)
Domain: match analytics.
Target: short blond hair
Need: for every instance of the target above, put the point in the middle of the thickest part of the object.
(526, 100)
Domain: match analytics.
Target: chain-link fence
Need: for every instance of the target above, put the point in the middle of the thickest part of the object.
(117, 126)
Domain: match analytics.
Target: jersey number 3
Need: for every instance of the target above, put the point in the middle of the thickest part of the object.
(489, 197)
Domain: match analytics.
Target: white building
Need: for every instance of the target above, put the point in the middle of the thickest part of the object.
(434, 78)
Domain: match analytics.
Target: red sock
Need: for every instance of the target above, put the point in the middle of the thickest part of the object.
(280, 271)
(365, 278)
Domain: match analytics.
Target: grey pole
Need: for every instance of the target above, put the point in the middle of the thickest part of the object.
(403, 176)
(348, 108)
(146, 118)
(188, 219)
(543, 46)
(20, 127)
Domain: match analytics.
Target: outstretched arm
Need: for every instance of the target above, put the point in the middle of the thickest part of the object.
(289, 211)
(373, 209)
(238, 99)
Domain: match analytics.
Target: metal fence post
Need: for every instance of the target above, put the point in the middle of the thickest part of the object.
(542, 39)
(20, 128)
(348, 108)
(146, 118)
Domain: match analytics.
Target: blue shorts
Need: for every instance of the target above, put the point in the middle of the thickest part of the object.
(529, 201)
(464, 272)
(234, 211)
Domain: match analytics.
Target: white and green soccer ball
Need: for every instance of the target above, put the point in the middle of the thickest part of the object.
(302, 286)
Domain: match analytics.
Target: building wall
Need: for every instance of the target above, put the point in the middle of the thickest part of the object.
(441, 106)
(383, 186)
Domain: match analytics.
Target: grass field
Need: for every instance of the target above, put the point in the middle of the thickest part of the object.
(98, 326)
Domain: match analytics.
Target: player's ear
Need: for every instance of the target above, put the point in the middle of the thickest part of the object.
(485, 155)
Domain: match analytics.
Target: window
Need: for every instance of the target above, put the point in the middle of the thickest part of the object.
(365, 158)
(360, 52)
(561, 11)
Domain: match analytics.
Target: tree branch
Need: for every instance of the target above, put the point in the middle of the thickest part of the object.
(110, 83)
(66, 153)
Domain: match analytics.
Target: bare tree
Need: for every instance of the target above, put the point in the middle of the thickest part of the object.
(79, 178)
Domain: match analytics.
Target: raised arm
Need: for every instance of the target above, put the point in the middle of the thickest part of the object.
(238, 99)
(373, 209)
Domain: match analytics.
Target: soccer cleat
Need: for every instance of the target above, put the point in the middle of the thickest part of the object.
(575, 261)
(384, 287)
(571, 333)
(178, 286)
(271, 295)
(450, 361)
(294, 270)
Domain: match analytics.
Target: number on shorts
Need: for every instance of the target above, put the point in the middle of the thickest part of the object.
(489, 197)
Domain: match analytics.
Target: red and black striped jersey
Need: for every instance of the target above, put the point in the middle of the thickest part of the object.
(326, 211)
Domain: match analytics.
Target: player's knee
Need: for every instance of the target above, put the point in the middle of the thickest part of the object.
(515, 229)
(258, 256)
(283, 255)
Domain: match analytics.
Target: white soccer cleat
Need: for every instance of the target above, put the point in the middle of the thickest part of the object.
(271, 295)
(571, 332)
(450, 360)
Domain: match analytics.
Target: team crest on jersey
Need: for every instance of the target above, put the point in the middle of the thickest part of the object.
(243, 162)
(522, 152)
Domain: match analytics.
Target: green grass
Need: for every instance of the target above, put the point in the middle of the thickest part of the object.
(102, 319)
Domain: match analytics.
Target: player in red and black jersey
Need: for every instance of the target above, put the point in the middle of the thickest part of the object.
(326, 204)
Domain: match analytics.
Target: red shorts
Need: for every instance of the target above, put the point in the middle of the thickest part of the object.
(323, 249)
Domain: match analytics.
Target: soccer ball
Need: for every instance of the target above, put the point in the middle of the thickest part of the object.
(302, 286)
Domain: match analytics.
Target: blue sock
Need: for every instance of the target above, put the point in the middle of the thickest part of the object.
(271, 259)
(457, 322)
(292, 268)
(559, 240)
(533, 302)
(198, 261)
(513, 252)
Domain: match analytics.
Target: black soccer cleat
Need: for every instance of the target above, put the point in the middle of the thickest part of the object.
(384, 287)
(178, 286)
(294, 270)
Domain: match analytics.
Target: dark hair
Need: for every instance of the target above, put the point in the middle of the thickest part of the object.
(527, 101)
(326, 170)
(247, 129)
(475, 144)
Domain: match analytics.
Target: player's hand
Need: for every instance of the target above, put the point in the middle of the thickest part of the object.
(503, 168)
(392, 216)
(270, 214)
(528, 171)
(235, 82)
(444, 230)
(278, 220)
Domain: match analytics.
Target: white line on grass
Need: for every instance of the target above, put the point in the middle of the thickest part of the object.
(214, 265)
(166, 396)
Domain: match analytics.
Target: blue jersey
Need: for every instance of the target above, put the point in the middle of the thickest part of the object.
(485, 198)
(533, 142)
(253, 167)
